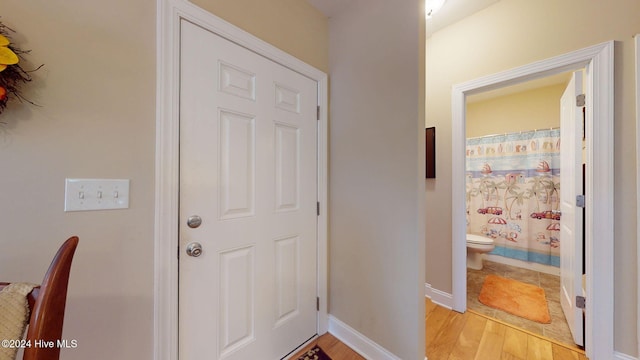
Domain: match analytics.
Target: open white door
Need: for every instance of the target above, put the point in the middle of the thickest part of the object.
(248, 195)
(571, 246)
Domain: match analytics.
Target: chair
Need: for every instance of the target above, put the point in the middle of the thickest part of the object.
(47, 303)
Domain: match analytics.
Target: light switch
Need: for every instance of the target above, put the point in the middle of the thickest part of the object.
(96, 194)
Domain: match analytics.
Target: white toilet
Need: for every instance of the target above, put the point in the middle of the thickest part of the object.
(476, 246)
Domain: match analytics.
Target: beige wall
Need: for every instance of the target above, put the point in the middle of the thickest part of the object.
(376, 280)
(97, 119)
(291, 25)
(513, 33)
(522, 111)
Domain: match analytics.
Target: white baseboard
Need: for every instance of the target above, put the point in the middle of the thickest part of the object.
(361, 344)
(621, 356)
(439, 297)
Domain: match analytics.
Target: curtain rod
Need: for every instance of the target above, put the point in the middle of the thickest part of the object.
(515, 132)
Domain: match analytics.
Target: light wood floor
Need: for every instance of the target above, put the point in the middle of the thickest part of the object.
(472, 336)
(468, 336)
(332, 347)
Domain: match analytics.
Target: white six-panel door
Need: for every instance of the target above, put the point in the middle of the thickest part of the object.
(248, 170)
(571, 248)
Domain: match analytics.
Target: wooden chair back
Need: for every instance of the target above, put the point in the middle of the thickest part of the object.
(47, 304)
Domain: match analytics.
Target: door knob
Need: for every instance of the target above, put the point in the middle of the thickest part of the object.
(194, 221)
(194, 249)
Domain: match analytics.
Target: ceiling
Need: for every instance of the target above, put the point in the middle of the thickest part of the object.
(451, 12)
(455, 10)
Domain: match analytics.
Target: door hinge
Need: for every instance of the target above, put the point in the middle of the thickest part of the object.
(318, 112)
(580, 100)
(317, 303)
(318, 208)
(580, 201)
(581, 302)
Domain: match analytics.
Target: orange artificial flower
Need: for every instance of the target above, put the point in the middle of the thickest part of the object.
(7, 56)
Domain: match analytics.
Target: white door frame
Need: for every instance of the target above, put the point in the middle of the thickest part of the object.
(598, 62)
(169, 15)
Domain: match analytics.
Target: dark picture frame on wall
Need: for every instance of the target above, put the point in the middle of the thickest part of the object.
(430, 142)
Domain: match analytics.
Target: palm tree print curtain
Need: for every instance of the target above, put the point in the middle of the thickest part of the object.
(513, 185)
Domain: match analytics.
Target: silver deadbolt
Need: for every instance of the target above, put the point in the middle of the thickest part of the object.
(194, 249)
(194, 221)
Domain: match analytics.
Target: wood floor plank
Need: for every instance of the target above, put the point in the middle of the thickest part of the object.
(495, 327)
(507, 356)
(492, 341)
(336, 349)
(490, 346)
(429, 306)
(444, 342)
(515, 344)
(435, 322)
(467, 344)
(562, 353)
(538, 349)
(327, 342)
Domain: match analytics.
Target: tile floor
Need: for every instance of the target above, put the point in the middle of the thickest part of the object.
(557, 330)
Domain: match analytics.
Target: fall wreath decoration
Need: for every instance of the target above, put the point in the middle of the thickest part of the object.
(12, 76)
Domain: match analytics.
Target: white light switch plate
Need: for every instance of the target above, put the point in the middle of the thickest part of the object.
(96, 194)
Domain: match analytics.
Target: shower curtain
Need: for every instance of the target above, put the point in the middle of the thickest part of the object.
(513, 185)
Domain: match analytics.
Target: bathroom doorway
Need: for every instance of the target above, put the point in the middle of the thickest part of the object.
(513, 196)
(598, 62)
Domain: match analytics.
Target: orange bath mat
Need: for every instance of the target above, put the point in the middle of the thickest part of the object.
(515, 297)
